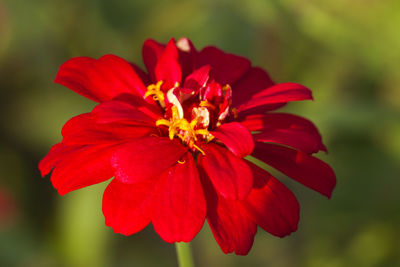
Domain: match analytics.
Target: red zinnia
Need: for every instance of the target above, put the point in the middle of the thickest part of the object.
(174, 141)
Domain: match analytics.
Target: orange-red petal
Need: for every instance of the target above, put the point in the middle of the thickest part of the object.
(179, 205)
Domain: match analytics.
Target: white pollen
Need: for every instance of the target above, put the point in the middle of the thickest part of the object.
(203, 115)
(174, 100)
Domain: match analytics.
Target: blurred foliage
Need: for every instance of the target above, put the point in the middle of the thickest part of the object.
(348, 52)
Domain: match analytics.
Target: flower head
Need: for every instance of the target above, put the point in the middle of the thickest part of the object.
(174, 140)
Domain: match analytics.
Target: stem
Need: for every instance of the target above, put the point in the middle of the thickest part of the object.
(184, 254)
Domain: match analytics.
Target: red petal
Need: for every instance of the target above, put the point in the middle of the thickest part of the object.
(236, 137)
(259, 110)
(114, 76)
(197, 79)
(73, 74)
(229, 174)
(151, 53)
(254, 81)
(168, 68)
(301, 167)
(289, 122)
(145, 158)
(76, 124)
(114, 111)
(226, 68)
(57, 153)
(179, 205)
(141, 73)
(147, 106)
(187, 55)
(233, 230)
(294, 138)
(101, 79)
(279, 93)
(115, 133)
(82, 130)
(271, 204)
(127, 207)
(260, 122)
(81, 167)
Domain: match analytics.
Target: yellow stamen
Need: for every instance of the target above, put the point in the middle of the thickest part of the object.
(235, 113)
(181, 128)
(172, 132)
(182, 162)
(163, 122)
(205, 103)
(202, 132)
(155, 91)
(199, 149)
(175, 113)
(181, 125)
(193, 123)
(226, 87)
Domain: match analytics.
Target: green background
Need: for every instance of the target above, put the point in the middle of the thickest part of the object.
(347, 52)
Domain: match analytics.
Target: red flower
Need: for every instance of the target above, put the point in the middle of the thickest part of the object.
(175, 138)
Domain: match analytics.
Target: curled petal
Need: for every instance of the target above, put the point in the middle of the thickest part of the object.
(179, 205)
(252, 82)
(197, 79)
(127, 207)
(271, 205)
(279, 93)
(236, 137)
(230, 175)
(290, 125)
(145, 158)
(261, 122)
(294, 138)
(299, 166)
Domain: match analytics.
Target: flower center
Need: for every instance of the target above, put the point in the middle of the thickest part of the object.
(190, 116)
(187, 131)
